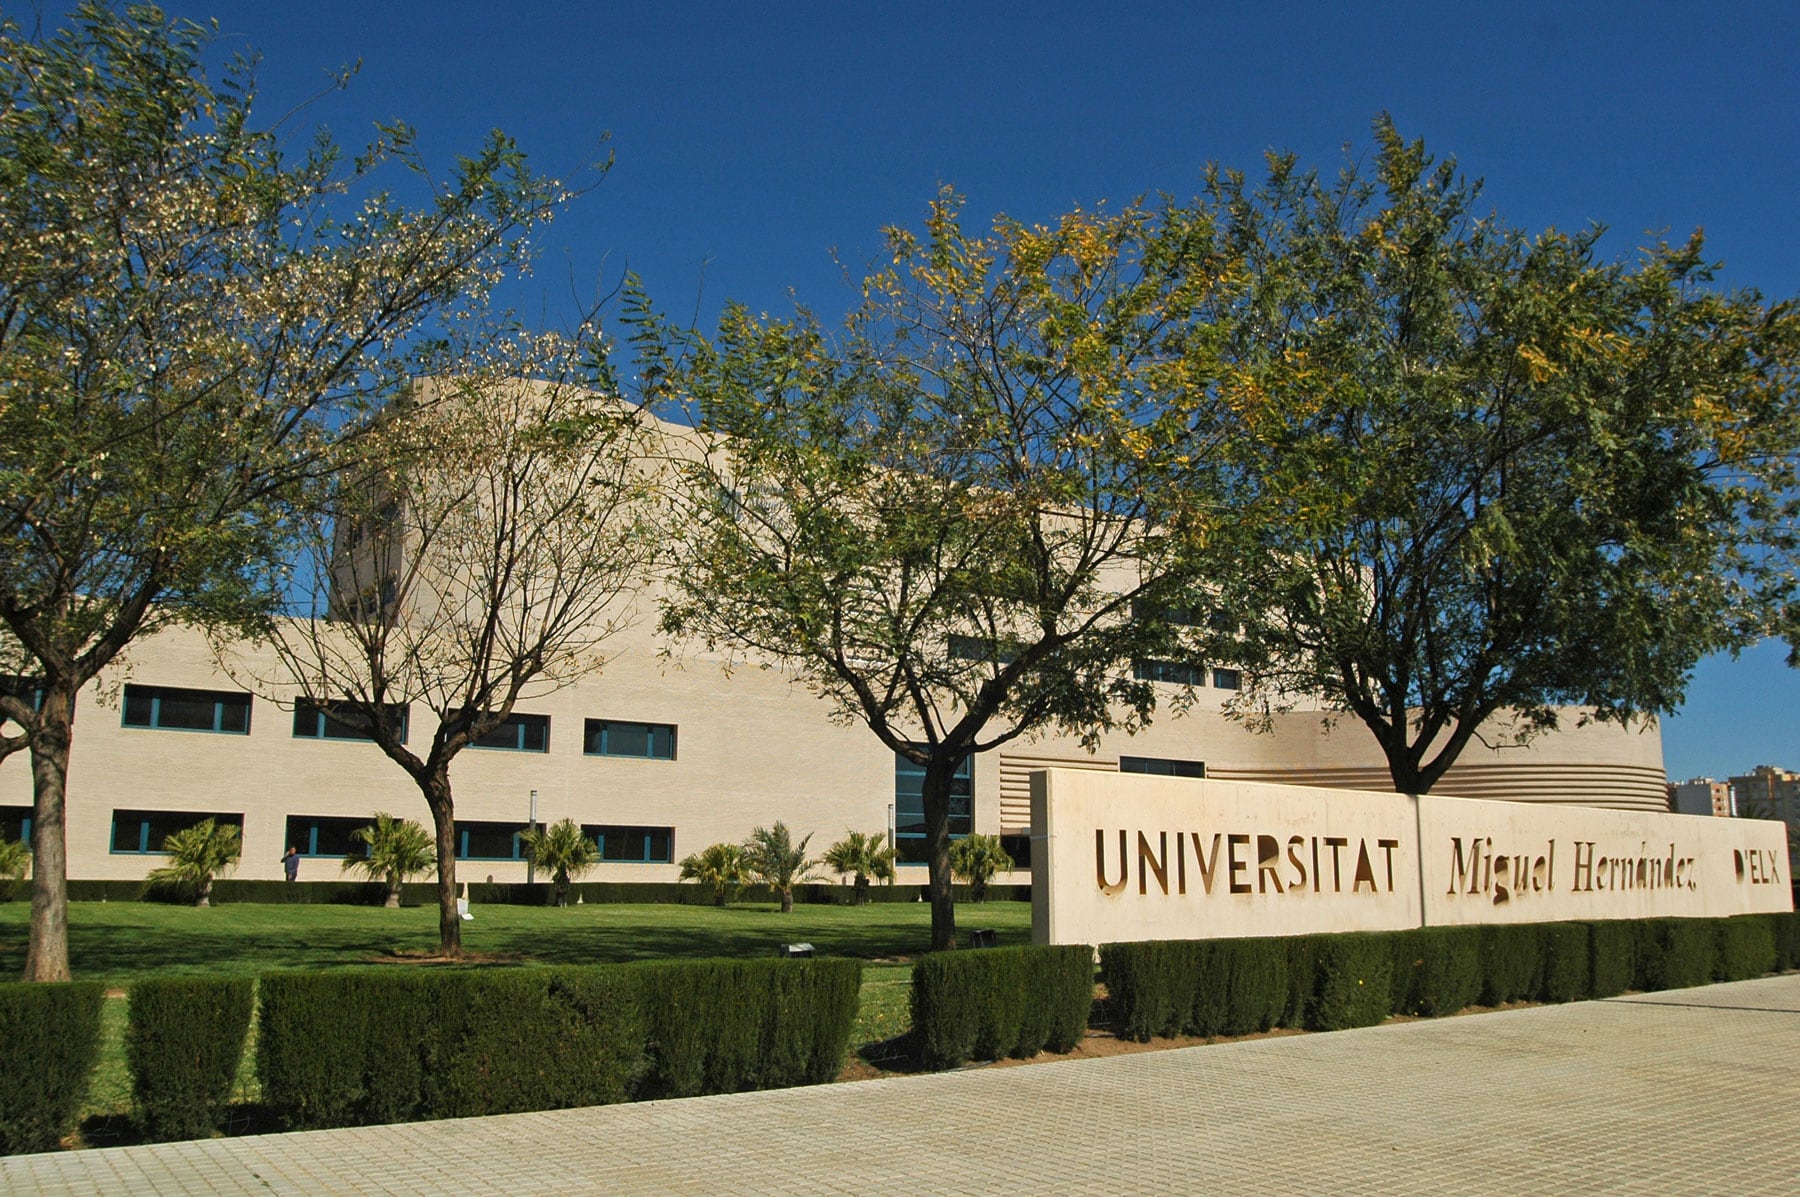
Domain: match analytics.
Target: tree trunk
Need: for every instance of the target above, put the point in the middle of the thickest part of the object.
(562, 888)
(204, 898)
(392, 901)
(862, 890)
(718, 897)
(787, 900)
(47, 957)
(940, 776)
(436, 786)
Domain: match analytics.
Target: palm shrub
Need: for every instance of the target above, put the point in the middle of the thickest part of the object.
(777, 862)
(197, 855)
(561, 850)
(393, 850)
(15, 864)
(862, 857)
(975, 859)
(720, 866)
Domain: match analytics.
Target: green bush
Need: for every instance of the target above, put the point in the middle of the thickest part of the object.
(1568, 968)
(183, 1040)
(1746, 948)
(1675, 953)
(1613, 959)
(1256, 983)
(1352, 981)
(1786, 929)
(1445, 965)
(1511, 962)
(1000, 1002)
(1151, 986)
(48, 1038)
(725, 1026)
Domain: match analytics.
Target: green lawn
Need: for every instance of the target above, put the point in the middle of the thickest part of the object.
(120, 942)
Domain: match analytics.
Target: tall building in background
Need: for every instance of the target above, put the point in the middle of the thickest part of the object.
(1702, 796)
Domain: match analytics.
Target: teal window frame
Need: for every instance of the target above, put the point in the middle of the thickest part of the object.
(143, 708)
(597, 740)
(516, 735)
(625, 844)
(1157, 766)
(909, 807)
(1175, 673)
(150, 839)
(485, 828)
(303, 832)
(1227, 679)
(315, 721)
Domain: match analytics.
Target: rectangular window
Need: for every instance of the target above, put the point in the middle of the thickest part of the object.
(29, 689)
(619, 737)
(1180, 673)
(15, 823)
(143, 832)
(488, 841)
(341, 721)
(1186, 617)
(322, 835)
(982, 648)
(1019, 848)
(1161, 766)
(632, 845)
(909, 806)
(520, 733)
(1228, 679)
(174, 709)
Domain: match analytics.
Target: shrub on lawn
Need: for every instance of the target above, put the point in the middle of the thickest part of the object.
(1255, 975)
(1511, 962)
(1151, 986)
(1746, 948)
(1352, 981)
(1675, 953)
(1786, 928)
(1000, 1002)
(48, 1038)
(1568, 969)
(724, 1026)
(183, 1040)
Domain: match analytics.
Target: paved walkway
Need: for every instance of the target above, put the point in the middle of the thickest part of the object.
(1687, 1091)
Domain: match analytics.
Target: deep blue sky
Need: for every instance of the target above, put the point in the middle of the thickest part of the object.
(753, 140)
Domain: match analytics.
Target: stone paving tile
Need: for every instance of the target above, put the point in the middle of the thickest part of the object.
(1692, 1091)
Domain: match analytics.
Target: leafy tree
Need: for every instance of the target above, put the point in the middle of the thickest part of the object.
(1500, 476)
(722, 866)
(192, 321)
(862, 857)
(488, 547)
(15, 864)
(196, 855)
(393, 850)
(563, 851)
(975, 859)
(942, 520)
(773, 858)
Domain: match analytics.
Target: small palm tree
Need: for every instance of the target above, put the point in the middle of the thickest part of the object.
(861, 856)
(15, 864)
(779, 863)
(196, 855)
(975, 859)
(720, 866)
(563, 851)
(393, 850)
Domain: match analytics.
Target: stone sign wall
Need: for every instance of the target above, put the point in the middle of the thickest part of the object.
(1119, 857)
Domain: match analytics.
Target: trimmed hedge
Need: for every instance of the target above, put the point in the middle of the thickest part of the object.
(338, 1049)
(49, 1035)
(1786, 928)
(725, 1026)
(1437, 970)
(997, 1002)
(183, 1040)
(1675, 953)
(1164, 988)
(1612, 957)
(1746, 948)
(1568, 973)
(1511, 962)
(1352, 981)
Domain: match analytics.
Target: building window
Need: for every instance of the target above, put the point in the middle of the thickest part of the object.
(321, 835)
(982, 648)
(29, 689)
(909, 807)
(341, 721)
(15, 823)
(1161, 766)
(520, 733)
(143, 832)
(1019, 848)
(1228, 679)
(488, 841)
(172, 709)
(1185, 617)
(632, 845)
(618, 737)
(1180, 673)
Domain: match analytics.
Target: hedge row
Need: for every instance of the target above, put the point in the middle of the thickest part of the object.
(49, 1035)
(1327, 982)
(183, 1042)
(336, 891)
(1000, 1002)
(338, 1049)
